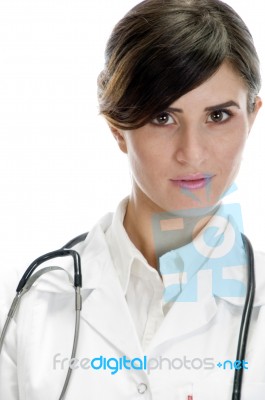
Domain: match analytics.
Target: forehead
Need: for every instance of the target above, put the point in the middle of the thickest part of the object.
(224, 85)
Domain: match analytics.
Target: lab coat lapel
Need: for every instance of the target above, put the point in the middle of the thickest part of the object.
(106, 310)
(104, 304)
(195, 303)
(186, 317)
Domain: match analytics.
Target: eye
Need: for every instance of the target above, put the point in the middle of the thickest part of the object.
(219, 116)
(163, 118)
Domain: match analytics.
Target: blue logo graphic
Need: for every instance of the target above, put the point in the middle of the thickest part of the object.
(217, 248)
(237, 364)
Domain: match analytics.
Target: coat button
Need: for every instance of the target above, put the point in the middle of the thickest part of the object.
(142, 388)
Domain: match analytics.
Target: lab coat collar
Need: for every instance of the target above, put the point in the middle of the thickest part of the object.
(188, 317)
(104, 304)
(93, 252)
(183, 318)
(123, 252)
(240, 274)
(106, 308)
(226, 276)
(109, 295)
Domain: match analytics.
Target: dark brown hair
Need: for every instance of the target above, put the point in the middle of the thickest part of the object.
(161, 50)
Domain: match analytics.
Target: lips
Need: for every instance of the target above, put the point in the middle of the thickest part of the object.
(192, 181)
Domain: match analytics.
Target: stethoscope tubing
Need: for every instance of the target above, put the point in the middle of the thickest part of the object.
(246, 317)
(29, 278)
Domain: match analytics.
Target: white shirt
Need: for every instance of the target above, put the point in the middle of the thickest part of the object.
(140, 282)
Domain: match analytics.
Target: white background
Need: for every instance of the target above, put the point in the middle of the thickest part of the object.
(60, 168)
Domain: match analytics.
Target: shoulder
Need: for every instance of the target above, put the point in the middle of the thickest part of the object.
(92, 248)
(8, 285)
(96, 234)
(259, 267)
(259, 264)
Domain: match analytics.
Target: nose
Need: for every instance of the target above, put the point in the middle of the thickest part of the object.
(192, 147)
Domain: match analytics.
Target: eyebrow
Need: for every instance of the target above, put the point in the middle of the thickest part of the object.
(222, 105)
(211, 108)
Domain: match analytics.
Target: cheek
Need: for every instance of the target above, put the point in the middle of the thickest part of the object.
(231, 149)
(142, 166)
(143, 155)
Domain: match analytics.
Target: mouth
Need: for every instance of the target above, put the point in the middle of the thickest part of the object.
(192, 181)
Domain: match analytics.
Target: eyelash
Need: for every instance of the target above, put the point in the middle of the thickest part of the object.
(164, 113)
(168, 115)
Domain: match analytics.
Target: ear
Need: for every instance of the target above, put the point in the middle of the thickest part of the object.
(118, 134)
(253, 114)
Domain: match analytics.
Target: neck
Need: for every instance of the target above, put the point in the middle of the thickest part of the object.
(155, 232)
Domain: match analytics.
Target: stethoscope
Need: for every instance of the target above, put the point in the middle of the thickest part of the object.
(29, 278)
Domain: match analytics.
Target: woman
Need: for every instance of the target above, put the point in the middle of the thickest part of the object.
(162, 304)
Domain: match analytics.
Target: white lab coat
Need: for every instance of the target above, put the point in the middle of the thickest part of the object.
(204, 329)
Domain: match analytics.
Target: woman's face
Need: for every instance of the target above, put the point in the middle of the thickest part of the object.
(188, 155)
